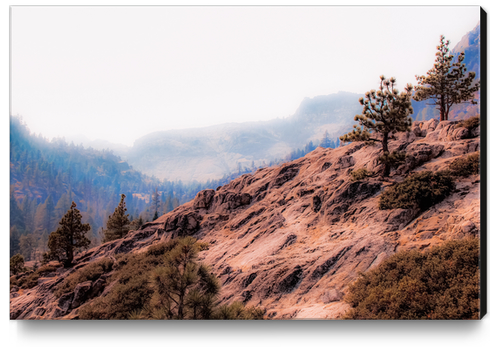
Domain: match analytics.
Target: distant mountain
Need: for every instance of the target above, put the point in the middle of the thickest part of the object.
(470, 45)
(209, 153)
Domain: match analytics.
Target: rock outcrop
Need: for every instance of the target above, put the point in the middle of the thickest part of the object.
(291, 238)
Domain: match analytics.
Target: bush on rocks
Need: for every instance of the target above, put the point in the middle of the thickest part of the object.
(442, 283)
(419, 190)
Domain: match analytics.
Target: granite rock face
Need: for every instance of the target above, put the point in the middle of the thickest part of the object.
(292, 238)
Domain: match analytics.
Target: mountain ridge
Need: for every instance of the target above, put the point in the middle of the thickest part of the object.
(291, 238)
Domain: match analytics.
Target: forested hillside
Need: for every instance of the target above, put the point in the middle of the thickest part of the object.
(46, 176)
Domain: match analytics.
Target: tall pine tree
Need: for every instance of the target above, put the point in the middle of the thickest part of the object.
(69, 237)
(118, 223)
(385, 112)
(447, 83)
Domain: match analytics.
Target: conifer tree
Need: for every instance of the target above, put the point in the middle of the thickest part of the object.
(118, 223)
(385, 112)
(183, 288)
(69, 237)
(16, 215)
(16, 264)
(27, 245)
(155, 200)
(14, 241)
(447, 83)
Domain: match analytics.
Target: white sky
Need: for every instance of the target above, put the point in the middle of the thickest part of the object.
(118, 73)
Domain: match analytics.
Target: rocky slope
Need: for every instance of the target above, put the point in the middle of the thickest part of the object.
(290, 239)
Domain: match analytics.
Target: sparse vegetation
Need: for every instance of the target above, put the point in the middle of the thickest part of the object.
(17, 264)
(464, 167)
(238, 311)
(442, 283)
(360, 174)
(45, 269)
(91, 272)
(29, 280)
(470, 123)
(165, 282)
(419, 190)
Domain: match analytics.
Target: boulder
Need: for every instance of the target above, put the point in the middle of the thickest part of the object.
(203, 199)
(65, 301)
(80, 293)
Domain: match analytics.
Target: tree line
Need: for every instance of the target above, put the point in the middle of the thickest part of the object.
(47, 176)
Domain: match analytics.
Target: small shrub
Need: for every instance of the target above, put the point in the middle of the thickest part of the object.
(360, 174)
(463, 167)
(45, 269)
(17, 264)
(393, 159)
(13, 281)
(132, 291)
(442, 283)
(91, 272)
(238, 311)
(419, 190)
(133, 295)
(29, 281)
(470, 123)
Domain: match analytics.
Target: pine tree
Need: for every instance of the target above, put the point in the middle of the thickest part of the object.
(155, 200)
(28, 211)
(385, 112)
(17, 264)
(27, 245)
(14, 241)
(62, 206)
(183, 288)
(16, 215)
(118, 223)
(49, 216)
(69, 237)
(447, 83)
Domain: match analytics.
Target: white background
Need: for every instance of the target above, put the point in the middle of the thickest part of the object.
(271, 333)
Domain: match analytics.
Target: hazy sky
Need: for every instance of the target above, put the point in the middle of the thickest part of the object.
(118, 73)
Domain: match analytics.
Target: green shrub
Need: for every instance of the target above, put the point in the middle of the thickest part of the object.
(442, 283)
(136, 295)
(238, 311)
(419, 190)
(463, 167)
(13, 281)
(132, 290)
(45, 269)
(470, 123)
(393, 159)
(17, 264)
(29, 281)
(360, 174)
(91, 272)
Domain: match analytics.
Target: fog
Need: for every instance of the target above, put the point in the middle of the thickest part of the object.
(118, 73)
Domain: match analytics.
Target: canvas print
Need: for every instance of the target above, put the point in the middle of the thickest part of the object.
(246, 163)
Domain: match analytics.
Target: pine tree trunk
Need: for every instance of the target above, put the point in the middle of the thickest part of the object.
(387, 168)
